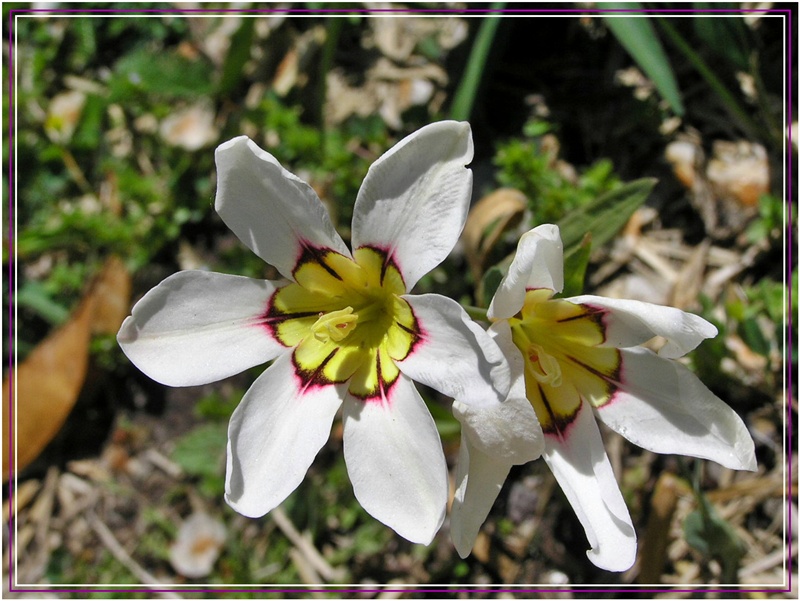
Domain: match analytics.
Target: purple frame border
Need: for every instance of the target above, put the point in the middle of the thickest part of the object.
(449, 589)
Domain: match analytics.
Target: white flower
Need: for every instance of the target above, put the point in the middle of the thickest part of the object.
(341, 329)
(197, 546)
(582, 359)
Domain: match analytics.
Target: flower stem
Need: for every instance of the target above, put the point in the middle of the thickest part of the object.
(476, 313)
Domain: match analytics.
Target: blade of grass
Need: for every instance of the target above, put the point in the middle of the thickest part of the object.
(333, 32)
(238, 55)
(638, 36)
(604, 216)
(464, 98)
(726, 97)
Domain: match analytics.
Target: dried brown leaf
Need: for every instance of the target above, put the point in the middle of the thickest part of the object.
(51, 377)
(112, 292)
(488, 220)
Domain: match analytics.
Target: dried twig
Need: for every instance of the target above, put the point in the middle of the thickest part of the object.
(309, 551)
(776, 558)
(306, 571)
(122, 556)
(40, 515)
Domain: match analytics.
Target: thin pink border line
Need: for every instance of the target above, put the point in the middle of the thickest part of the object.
(790, 342)
(299, 590)
(11, 295)
(427, 11)
(566, 12)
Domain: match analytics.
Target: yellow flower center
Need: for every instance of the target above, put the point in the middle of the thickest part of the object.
(346, 320)
(563, 362)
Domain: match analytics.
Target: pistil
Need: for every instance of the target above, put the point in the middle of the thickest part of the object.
(544, 367)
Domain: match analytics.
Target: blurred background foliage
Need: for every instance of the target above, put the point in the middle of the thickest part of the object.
(656, 143)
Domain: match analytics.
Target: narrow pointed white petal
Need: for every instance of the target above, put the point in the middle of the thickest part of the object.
(454, 354)
(479, 478)
(395, 461)
(492, 440)
(663, 407)
(538, 263)
(276, 214)
(414, 200)
(581, 467)
(182, 331)
(629, 323)
(273, 437)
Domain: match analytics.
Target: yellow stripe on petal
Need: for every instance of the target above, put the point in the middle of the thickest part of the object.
(291, 332)
(399, 341)
(389, 370)
(375, 376)
(555, 407)
(345, 363)
(383, 273)
(294, 299)
(318, 277)
(366, 380)
(595, 389)
(311, 355)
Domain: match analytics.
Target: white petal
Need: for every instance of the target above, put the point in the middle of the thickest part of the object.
(273, 437)
(663, 407)
(509, 430)
(197, 327)
(630, 323)
(395, 461)
(414, 200)
(538, 263)
(492, 440)
(582, 469)
(454, 354)
(479, 478)
(276, 214)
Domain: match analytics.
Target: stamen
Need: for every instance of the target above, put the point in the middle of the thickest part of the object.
(335, 325)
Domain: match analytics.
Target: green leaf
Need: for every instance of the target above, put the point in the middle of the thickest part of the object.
(491, 281)
(604, 216)
(712, 536)
(464, 98)
(160, 73)
(575, 265)
(201, 451)
(446, 423)
(753, 336)
(88, 134)
(238, 55)
(727, 38)
(638, 36)
(34, 296)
